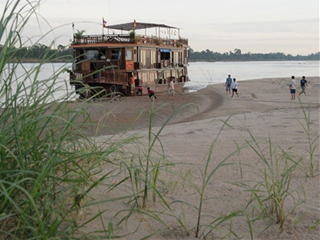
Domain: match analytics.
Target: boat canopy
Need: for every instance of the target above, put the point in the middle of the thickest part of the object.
(138, 25)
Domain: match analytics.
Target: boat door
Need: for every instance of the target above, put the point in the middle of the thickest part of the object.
(148, 58)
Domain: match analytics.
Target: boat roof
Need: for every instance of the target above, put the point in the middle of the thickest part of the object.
(139, 25)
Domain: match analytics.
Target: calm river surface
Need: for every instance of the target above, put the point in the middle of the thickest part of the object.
(201, 74)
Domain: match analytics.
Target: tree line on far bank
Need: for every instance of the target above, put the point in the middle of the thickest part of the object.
(39, 51)
(237, 55)
(64, 54)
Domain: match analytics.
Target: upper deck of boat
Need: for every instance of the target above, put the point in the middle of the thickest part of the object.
(102, 40)
(130, 38)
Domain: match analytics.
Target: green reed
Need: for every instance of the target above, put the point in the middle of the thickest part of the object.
(48, 167)
(143, 168)
(207, 174)
(315, 224)
(313, 139)
(270, 193)
(147, 171)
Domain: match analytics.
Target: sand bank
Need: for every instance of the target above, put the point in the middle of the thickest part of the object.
(265, 117)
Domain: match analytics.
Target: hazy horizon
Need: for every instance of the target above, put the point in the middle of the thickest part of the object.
(289, 27)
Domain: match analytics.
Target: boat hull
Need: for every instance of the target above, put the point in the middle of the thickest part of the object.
(98, 89)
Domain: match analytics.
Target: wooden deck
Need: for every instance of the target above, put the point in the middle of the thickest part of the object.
(138, 39)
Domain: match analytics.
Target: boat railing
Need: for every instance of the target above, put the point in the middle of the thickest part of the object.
(101, 39)
(139, 39)
(99, 77)
(161, 41)
(105, 77)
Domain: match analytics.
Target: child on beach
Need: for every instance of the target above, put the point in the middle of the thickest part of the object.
(303, 84)
(151, 94)
(292, 87)
(235, 87)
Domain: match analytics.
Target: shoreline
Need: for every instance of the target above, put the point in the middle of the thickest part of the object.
(132, 113)
(37, 60)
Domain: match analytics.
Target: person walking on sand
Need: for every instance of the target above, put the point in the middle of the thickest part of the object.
(171, 89)
(235, 87)
(292, 87)
(228, 84)
(151, 94)
(303, 84)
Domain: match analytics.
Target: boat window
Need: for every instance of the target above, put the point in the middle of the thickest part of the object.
(164, 53)
(164, 56)
(91, 54)
(129, 55)
(116, 54)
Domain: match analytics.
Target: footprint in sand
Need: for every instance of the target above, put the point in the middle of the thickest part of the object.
(254, 96)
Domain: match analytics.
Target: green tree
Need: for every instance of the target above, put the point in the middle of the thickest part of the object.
(237, 51)
(79, 33)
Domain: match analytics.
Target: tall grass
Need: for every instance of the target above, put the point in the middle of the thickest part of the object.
(48, 166)
(313, 139)
(207, 174)
(145, 166)
(141, 186)
(152, 139)
(270, 194)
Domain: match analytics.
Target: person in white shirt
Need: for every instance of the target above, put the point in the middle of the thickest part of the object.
(235, 87)
(171, 88)
(292, 87)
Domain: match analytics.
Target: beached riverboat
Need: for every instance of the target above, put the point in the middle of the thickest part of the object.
(113, 58)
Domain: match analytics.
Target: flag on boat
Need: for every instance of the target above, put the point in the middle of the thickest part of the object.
(134, 23)
(104, 23)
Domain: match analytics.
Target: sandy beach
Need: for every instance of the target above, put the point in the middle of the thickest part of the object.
(262, 124)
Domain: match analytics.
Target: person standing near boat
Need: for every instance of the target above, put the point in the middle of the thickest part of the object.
(171, 88)
(132, 84)
(235, 87)
(151, 94)
(303, 84)
(228, 84)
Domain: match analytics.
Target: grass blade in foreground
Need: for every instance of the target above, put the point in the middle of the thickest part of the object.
(46, 160)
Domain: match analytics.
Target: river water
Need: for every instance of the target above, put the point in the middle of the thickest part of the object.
(201, 74)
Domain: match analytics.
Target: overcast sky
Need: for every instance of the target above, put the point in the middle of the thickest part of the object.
(256, 26)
